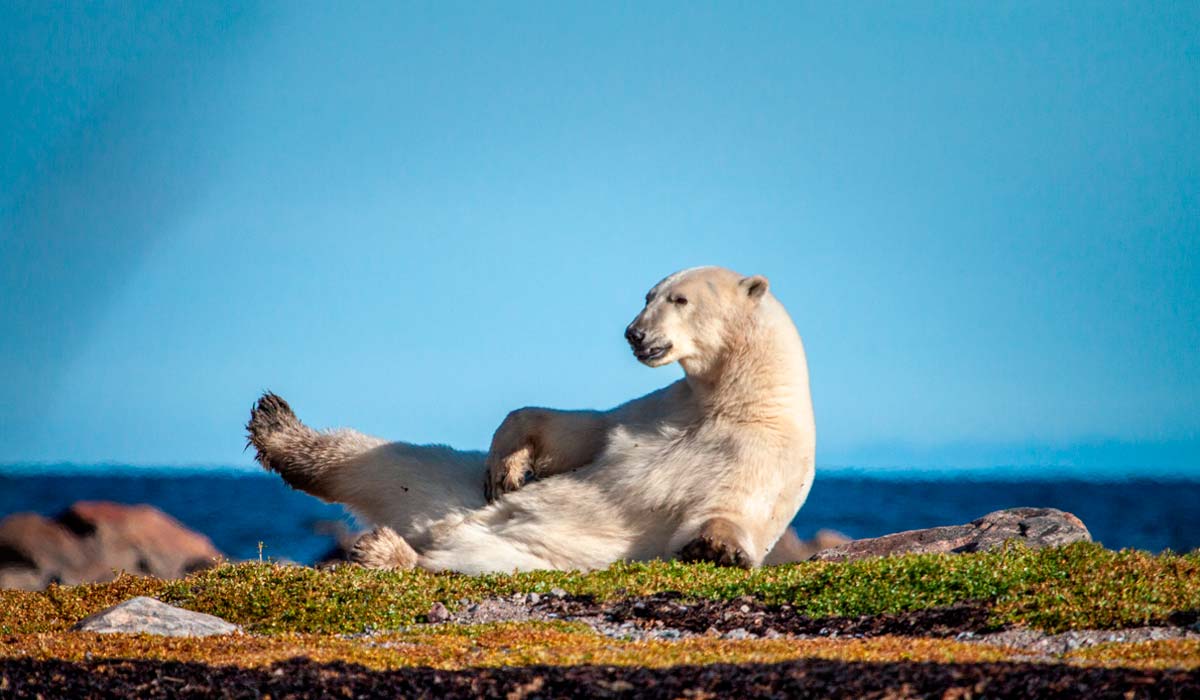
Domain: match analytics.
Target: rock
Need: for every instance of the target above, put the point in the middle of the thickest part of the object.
(149, 616)
(36, 551)
(438, 613)
(790, 548)
(1034, 527)
(91, 540)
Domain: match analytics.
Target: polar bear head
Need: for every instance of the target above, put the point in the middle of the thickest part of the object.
(690, 316)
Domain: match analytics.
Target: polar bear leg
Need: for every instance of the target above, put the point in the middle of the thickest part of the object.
(474, 548)
(470, 549)
(406, 487)
(552, 524)
(383, 548)
(541, 442)
(718, 540)
(307, 459)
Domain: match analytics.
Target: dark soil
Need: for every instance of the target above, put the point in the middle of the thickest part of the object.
(671, 610)
(25, 678)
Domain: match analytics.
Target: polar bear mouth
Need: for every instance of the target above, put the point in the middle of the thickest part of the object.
(654, 353)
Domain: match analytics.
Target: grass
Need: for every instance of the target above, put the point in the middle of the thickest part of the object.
(1079, 586)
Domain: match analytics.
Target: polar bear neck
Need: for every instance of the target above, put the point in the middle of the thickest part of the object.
(761, 377)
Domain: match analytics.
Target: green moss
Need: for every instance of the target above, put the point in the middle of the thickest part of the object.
(1091, 587)
(1079, 586)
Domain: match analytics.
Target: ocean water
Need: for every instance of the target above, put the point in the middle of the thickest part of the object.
(240, 509)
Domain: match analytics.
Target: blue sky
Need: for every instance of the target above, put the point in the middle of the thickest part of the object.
(409, 219)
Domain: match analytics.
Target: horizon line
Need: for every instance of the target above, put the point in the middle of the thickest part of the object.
(927, 472)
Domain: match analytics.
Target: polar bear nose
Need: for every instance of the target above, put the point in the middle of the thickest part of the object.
(635, 336)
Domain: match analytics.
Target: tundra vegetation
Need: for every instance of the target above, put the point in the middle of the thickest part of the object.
(376, 618)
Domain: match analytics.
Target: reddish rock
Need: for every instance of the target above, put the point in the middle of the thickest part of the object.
(35, 550)
(790, 548)
(92, 540)
(1034, 527)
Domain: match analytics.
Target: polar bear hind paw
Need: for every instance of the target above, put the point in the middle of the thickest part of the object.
(383, 548)
(717, 542)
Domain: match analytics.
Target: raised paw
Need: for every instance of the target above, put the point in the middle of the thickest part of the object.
(269, 414)
(507, 473)
(717, 542)
(383, 548)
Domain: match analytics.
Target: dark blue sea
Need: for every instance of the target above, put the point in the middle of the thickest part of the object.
(238, 509)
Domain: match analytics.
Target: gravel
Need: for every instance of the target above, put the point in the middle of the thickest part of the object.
(669, 616)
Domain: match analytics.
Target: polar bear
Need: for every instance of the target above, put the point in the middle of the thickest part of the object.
(712, 467)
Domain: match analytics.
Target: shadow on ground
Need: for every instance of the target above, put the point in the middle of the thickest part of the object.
(116, 678)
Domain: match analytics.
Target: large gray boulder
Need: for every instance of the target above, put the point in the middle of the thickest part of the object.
(149, 616)
(1033, 527)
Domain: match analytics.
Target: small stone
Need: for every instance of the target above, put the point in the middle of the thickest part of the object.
(745, 608)
(558, 593)
(438, 613)
(738, 633)
(149, 616)
(533, 598)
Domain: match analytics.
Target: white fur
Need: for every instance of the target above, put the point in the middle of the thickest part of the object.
(734, 439)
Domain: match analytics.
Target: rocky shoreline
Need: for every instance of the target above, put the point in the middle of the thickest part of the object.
(92, 541)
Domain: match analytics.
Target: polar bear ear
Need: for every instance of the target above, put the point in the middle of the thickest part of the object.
(755, 286)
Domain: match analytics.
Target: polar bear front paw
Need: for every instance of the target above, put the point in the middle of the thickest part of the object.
(507, 473)
(383, 548)
(717, 542)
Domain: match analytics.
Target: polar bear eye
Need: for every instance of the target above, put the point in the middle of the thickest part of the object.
(680, 301)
